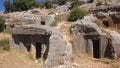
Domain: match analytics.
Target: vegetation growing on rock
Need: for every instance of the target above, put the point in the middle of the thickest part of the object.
(4, 44)
(76, 13)
(2, 23)
(57, 20)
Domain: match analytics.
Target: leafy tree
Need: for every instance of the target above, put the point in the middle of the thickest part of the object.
(7, 5)
(39, 4)
(29, 3)
(62, 2)
(2, 23)
(99, 4)
(21, 5)
(48, 4)
(76, 13)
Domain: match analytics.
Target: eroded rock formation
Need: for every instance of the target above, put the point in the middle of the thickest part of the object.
(90, 39)
(29, 38)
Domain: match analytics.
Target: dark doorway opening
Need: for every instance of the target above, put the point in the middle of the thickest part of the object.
(28, 48)
(38, 50)
(42, 22)
(96, 49)
(106, 23)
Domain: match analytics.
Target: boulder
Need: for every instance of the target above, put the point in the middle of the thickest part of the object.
(115, 37)
(48, 19)
(59, 53)
(63, 9)
(85, 31)
(85, 26)
(114, 2)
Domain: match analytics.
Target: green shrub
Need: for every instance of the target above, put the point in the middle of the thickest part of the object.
(99, 4)
(2, 23)
(4, 44)
(62, 2)
(57, 20)
(76, 13)
(41, 4)
(75, 3)
(48, 4)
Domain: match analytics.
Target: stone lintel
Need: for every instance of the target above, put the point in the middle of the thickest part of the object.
(30, 30)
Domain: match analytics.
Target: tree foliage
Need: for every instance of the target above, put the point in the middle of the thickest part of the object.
(7, 5)
(48, 4)
(21, 5)
(76, 13)
(62, 2)
(39, 4)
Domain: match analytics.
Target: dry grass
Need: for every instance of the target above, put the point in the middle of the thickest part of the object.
(87, 8)
(85, 61)
(4, 41)
(4, 35)
(64, 28)
(16, 59)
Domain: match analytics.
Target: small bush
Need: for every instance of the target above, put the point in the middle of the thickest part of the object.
(30, 22)
(57, 20)
(99, 4)
(4, 44)
(39, 5)
(75, 3)
(62, 2)
(76, 13)
(2, 23)
(48, 4)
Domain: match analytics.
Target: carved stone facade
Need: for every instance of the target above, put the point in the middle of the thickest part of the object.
(89, 39)
(42, 42)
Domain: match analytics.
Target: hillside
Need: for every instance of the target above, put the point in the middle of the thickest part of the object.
(60, 34)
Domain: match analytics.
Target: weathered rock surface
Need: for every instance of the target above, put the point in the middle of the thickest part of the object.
(83, 32)
(48, 19)
(115, 37)
(63, 9)
(86, 34)
(59, 53)
(28, 17)
(86, 26)
(113, 2)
